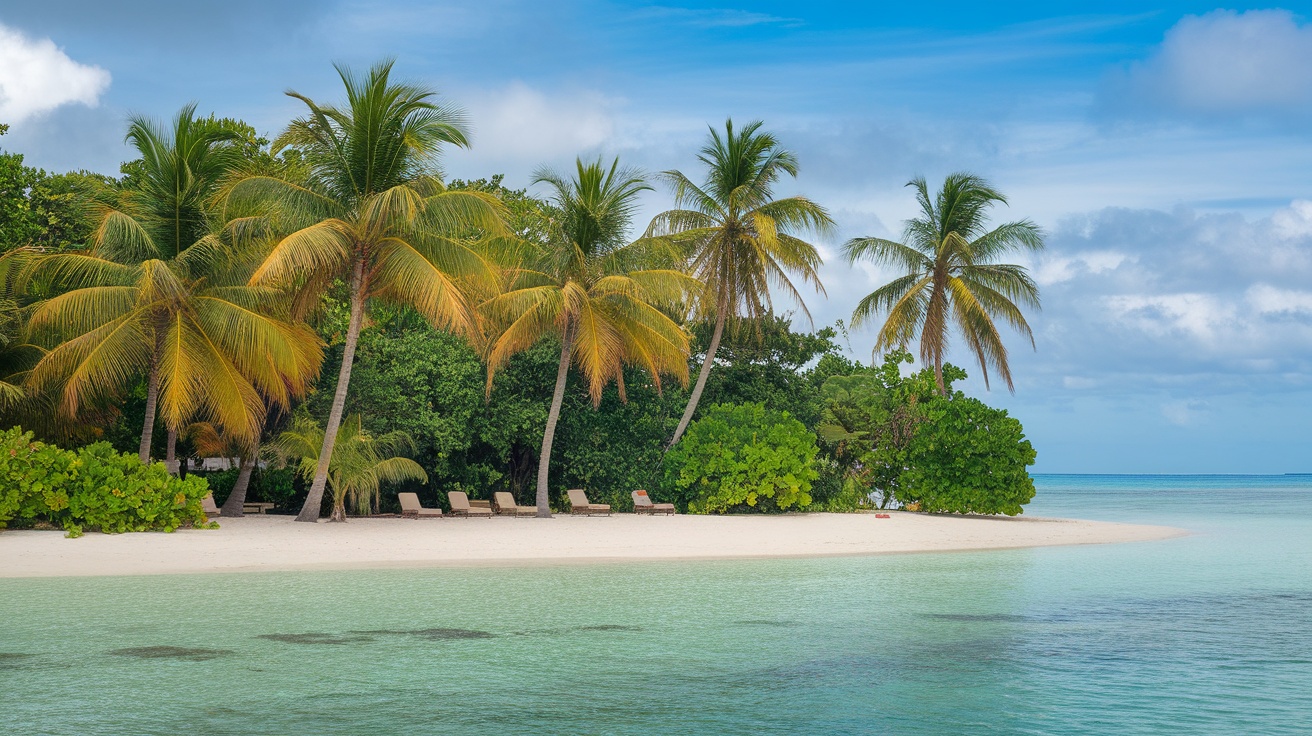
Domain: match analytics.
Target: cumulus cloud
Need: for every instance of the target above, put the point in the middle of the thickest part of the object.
(1222, 64)
(36, 76)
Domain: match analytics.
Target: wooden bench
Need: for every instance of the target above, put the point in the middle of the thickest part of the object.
(256, 508)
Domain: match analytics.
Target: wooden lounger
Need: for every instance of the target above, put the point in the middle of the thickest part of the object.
(207, 504)
(579, 504)
(505, 505)
(410, 507)
(642, 504)
(460, 505)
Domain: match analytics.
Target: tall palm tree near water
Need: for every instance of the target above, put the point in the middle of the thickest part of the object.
(740, 238)
(600, 295)
(951, 276)
(373, 214)
(155, 296)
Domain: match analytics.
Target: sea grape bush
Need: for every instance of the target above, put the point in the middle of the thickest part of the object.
(967, 458)
(92, 488)
(899, 438)
(743, 457)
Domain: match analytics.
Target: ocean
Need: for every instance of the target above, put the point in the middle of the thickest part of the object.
(1209, 633)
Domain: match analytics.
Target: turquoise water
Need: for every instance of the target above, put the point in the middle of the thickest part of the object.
(1207, 634)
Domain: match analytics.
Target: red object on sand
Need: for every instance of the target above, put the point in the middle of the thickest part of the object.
(882, 516)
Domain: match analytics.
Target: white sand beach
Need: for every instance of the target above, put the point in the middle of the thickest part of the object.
(257, 543)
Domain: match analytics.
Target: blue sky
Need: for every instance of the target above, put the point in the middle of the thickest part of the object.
(1166, 149)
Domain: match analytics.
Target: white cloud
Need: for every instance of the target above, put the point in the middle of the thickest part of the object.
(517, 126)
(1224, 64)
(1201, 316)
(36, 76)
(1271, 300)
(1056, 269)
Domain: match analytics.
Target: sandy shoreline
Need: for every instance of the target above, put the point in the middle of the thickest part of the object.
(263, 543)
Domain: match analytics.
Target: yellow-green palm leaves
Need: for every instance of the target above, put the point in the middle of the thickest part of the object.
(951, 276)
(361, 464)
(160, 295)
(372, 212)
(600, 295)
(740, 240)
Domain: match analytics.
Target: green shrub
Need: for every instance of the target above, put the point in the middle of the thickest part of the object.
(93, 488)
(967, 458)
(743, 458)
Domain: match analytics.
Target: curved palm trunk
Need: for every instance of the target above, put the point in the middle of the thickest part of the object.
(237, 499)
(938, 375)
(152, 398)
(549, 435)
(310, 511)
(701, 378)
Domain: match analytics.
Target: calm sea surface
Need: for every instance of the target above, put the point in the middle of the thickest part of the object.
(1207, 634)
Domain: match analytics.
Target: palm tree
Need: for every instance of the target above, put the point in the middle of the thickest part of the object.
(361, 463)
(372, 213)
(156, 296)
(951, 276)
(211, 440)
(741, 240)
(600, 296)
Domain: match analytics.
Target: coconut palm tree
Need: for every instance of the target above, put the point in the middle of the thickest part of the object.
(373, 214)
(156, 296)
(951, 276)
(210, 440)
(600, 295)
(741, 240)
(361, 463)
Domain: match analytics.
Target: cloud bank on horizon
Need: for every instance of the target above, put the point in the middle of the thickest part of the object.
(1165, 152)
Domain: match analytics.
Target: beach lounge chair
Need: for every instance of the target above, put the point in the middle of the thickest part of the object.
(505, 505)
(642, 504)
(207, 504)
(410, 507)
(460, 505)
(579, 504)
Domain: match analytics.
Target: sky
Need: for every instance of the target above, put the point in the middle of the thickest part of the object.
(1165, 148)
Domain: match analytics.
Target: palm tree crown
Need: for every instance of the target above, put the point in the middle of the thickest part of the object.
(160, 293)
(600, 294)
(741, 241)
(951, 276)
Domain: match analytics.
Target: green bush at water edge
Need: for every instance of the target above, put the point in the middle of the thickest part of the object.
(741, 458)
(92, 488)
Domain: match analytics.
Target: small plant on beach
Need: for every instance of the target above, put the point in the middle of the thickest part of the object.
(361, 463)
(92, 488)
(743, 458)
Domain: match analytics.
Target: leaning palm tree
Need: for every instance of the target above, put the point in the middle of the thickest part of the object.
(740, 239)
(600, 296)
(156, 297)
(373, 213)
(951, 276)
(361, 463)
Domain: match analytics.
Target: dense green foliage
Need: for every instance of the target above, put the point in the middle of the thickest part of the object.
(967, 458)
(899, 438)
(743, 457)
(93, 487)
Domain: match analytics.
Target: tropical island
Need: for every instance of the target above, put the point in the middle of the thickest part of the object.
(322, 325)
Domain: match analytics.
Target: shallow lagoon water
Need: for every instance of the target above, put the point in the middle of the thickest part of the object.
(1210, 633)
